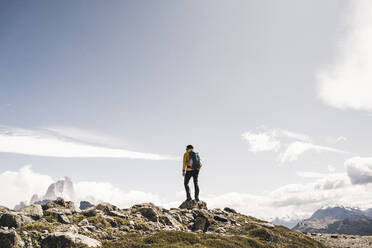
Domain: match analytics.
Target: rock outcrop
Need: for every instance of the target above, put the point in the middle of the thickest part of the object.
(85, 205)
(68, 239)
(14, 219)
(33, 211)
(60, 224)
(10, 239)
(193, 204)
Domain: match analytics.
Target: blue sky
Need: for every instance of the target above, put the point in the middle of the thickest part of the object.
(274, 96)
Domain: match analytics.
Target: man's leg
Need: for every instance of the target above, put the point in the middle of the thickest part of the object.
(186, 183)
(196, 186)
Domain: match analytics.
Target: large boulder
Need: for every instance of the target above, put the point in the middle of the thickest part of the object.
(201, 223)
(85, 205)
(106, 207)
(58, 211)
(170, 221)
(61, 204)
(34, 211)
(148, 210)
(10, 239)
(68, 240)
(149, 213)
(62, 218)
(230, 210)
(15, 220)
(90, 212)
(3, 210)
(193, 204)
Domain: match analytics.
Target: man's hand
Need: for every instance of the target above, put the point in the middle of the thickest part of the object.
(183, 173)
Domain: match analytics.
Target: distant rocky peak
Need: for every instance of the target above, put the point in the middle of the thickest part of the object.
(63, 188)
(337, 212)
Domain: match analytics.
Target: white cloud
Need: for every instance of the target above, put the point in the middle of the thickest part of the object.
(17, 186)
(297, 148)
(292, 200)
(359, 170)
(88, 136)
(268, 139)
(341, 138)
(20, 185)
(334, 140)
(39, 143)
(275, 139)
(283, 133)
(296, 201)
(331, 168)
(310, 174)
(104, 191)
(261, 142)
(347, 83)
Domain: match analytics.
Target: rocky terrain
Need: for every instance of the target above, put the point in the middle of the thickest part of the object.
(338, 220)
(59, 224)
(342, 241)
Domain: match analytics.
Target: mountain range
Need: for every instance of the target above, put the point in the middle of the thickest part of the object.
(338, 219)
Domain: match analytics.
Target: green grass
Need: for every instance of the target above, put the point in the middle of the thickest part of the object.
(38, 226)
(255, 238)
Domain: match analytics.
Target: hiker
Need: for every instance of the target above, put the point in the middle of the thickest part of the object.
(191, 167)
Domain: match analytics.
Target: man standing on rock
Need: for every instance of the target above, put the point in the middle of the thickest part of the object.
(191, 167)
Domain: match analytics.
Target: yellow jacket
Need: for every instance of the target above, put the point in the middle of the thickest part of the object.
(186, 161)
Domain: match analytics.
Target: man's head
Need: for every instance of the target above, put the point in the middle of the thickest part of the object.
(189, 147)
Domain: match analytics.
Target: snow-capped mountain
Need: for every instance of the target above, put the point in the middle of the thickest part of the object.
(338, 219)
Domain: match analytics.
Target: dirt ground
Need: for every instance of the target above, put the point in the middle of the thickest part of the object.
(342, 240)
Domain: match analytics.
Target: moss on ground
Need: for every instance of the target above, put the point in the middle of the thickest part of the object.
(99, 221)
(254, 238)
(38, 226)
(76, 218)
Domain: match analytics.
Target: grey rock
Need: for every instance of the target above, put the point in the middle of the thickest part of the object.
(201, 223)
(106, 207)
(118, 214)
(33, 211)
(58, 211)
(10, 239)
(15, 220)
(90, 212)
(84, 222)
(193, 205)
(67, 240)
(85, 205)
(149, 213)
(4, 209)
(60, 204)
(230, 210)
(220, 218)
(168, 220)
(63, 219)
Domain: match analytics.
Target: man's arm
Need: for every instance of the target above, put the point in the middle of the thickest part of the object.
(184, 164)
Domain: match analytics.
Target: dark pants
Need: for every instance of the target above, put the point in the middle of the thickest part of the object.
(194, 174)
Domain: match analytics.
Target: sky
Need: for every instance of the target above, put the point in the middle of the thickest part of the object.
(274, 95)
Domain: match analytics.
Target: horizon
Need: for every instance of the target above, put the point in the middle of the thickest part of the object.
(275, 97)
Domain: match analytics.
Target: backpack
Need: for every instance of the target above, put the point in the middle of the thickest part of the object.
(194, 160)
